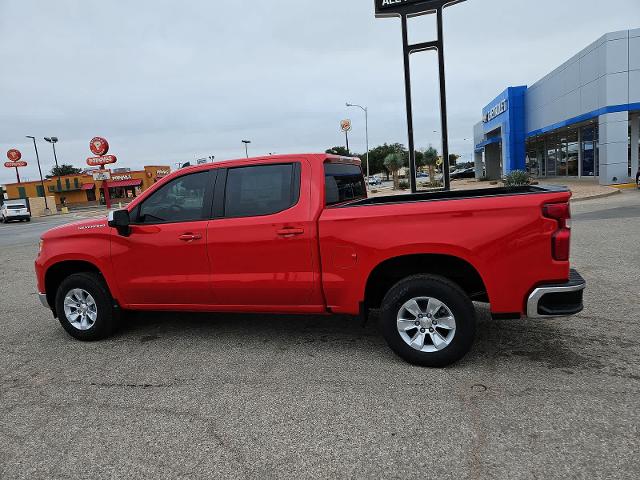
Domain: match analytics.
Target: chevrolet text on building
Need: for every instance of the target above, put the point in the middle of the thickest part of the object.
(496, 110)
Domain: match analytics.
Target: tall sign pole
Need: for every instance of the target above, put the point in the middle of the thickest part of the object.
(15, 161)
(406, 9)
(345, 126)
(99, 146)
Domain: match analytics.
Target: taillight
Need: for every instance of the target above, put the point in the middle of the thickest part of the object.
(561, 240)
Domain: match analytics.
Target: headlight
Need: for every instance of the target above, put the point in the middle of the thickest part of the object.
(40, 245)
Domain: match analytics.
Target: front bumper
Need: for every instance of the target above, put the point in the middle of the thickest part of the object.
(557, 300)
(43, 300)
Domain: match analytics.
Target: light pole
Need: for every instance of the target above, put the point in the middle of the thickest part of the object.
(246, 147)
(44, 192)
(366, 129)
(53, 141)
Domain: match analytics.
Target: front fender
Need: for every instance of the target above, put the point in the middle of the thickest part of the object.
(93, 248)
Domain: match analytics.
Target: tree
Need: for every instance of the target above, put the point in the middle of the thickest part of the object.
(339, 150)
(430, 158)
(378, 155)
(453, 158)
(64, 169)
(394, 162)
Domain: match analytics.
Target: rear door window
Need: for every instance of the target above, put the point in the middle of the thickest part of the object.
(343, 182)
(261, 190)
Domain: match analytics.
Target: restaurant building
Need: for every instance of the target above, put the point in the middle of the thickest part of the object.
(82, 189)
(582, 120)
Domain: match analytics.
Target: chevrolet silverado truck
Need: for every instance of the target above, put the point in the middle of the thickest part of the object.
(297, 234)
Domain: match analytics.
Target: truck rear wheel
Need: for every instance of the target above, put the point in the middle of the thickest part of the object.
(428, 320)
(85, 307)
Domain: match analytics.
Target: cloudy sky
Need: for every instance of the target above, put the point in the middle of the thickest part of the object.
(171, 81)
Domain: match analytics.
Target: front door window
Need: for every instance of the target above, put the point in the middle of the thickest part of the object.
(181, 200)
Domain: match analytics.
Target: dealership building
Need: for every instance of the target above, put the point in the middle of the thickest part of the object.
(582, 120)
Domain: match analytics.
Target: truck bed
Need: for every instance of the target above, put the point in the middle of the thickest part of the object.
(456, 195)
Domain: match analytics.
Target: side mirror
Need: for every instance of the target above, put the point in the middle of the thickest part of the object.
(120, 220)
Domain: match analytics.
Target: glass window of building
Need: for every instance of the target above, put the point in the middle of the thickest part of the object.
(551, 149)
(562, 156)
(572, 153)
(588, 151)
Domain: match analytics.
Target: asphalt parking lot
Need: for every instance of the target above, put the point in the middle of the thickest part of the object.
(237, 396)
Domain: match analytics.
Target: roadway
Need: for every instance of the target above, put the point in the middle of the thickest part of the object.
(264, 396)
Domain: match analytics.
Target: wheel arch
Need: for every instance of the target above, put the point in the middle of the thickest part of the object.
(392, 270)
(57, 272)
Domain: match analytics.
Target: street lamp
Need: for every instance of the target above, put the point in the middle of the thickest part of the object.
(53, 141)
(44, 192)
(246, 147)
(366, 128)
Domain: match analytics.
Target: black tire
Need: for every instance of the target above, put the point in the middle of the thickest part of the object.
(106, 321)
(28, 219)
(455, 299)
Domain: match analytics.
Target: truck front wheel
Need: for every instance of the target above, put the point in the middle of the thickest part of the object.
(428, 320)
(85, 307)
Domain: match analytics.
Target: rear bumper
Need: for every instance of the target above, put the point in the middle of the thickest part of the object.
(557, 300)
(17, 217)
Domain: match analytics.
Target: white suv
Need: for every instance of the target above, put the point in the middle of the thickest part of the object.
(15, 210)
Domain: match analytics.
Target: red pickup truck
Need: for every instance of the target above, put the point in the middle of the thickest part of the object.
(297, 234)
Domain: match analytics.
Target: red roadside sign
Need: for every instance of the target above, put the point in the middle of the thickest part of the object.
(14, 155)
(99, 161)
(99, 146)
(15, 164)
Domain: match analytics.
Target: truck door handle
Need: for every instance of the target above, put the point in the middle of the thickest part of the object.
(290, 231)
(190, 237)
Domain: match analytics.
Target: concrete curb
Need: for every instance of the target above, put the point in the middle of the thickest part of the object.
(598, 195)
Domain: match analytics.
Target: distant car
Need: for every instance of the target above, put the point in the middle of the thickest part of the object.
(464, 173)
(15, 210)
(422, 174)
(375, 181)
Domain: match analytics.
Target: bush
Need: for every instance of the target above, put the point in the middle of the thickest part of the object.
(434, 184)
(517, 178)
(403, 185)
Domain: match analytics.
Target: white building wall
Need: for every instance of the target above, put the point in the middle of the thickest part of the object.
(596, 77)
(613, 147)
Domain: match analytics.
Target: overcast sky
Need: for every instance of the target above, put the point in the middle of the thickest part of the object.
(170, 81)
